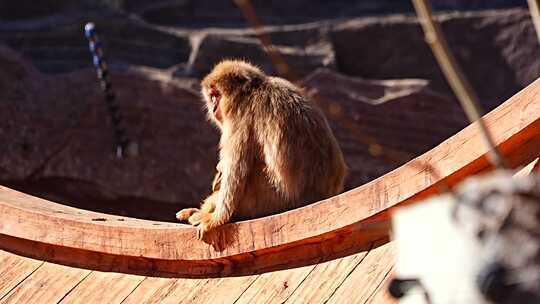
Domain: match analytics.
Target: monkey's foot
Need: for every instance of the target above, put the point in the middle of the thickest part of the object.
(184, 214)
(204, 222)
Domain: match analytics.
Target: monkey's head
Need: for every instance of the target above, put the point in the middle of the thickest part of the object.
(226, 86)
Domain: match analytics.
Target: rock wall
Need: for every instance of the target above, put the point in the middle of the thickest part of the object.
(498, 49)
(206, 13)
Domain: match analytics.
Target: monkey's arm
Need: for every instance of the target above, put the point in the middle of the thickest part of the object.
(216, 183)
(237, 158)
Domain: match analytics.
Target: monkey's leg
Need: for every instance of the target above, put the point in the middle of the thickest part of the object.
(207, 206)
(216, 183)
(203, 217)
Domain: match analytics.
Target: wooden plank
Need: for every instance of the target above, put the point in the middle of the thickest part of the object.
(151, 290)
(327, 229)
(331, 246)
(103, 287)
(367, 277)
(219, 291)
(381, 295)
(323, 281)
(163, 290)
(13, 270)
(48, 284)
(275, 287)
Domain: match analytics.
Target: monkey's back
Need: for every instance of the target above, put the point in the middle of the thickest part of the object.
(300, 160)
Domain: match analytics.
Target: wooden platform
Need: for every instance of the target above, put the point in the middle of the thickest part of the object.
(359, 278)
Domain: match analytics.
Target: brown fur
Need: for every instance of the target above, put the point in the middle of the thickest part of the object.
(277, 151)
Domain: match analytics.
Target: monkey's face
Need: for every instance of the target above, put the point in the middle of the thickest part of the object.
(226, 85)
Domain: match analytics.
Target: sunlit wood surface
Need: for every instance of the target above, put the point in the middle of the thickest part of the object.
(359, 278)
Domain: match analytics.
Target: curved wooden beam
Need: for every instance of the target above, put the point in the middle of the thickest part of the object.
(341, 225)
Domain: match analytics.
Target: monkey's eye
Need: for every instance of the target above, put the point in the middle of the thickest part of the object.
(214, 95)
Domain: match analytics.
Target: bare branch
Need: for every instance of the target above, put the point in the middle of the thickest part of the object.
(534, 8)
(455, 77)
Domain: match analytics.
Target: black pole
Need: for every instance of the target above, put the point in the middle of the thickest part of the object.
(123, 143)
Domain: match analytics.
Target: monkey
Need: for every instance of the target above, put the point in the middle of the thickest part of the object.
(276, 151)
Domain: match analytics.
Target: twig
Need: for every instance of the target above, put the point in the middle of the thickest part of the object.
(275, 56)
(455, 77)
(534, 8)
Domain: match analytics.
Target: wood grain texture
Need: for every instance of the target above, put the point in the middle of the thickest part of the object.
(166, 290)
(335, 227)
(48, 284)
(151, 290)
(275, 287)
(325, 279)
(219, 291)
(103, 288)
(310, 284)
(362, 283)
(163, 290)
(381, 295)
(13, 270)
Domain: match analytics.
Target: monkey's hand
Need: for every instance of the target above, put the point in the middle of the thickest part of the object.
(184, 214)
(204, 221)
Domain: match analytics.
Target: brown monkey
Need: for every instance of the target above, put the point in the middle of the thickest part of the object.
(277, 151)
